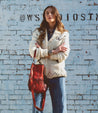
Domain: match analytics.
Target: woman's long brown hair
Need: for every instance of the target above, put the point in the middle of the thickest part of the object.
(44, 24)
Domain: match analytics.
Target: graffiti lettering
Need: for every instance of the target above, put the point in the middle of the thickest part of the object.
(29, 17)
(96, 17)
(75, 17)
(82, 17)
(22, 18)
(67, 17)
(90, 14)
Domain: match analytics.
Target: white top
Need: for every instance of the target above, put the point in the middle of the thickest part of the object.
(55, 66)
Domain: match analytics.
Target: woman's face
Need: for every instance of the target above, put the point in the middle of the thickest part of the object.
(50, 16)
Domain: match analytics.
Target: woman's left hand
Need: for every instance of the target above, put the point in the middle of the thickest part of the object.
(61, 48)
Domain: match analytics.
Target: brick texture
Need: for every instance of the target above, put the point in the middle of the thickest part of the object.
(17, 21)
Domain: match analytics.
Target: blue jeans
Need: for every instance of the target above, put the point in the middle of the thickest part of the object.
(58, 95)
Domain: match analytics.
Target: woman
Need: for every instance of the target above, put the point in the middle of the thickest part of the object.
(51, 42)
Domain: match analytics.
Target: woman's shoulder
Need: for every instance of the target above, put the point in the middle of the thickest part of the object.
(66, 32)
(35, 32)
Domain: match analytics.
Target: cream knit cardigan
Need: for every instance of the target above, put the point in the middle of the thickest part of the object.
(55, 65)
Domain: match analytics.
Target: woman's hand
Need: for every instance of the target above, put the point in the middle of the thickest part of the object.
(37, 45)
(61, 48)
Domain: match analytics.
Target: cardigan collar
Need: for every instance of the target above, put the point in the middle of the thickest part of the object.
(56, 32)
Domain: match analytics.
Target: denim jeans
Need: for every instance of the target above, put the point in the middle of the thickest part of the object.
(58, 95)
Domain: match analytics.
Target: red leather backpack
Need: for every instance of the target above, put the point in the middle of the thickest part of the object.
(36, 82)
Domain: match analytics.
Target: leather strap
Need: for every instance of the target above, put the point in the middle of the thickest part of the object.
(34, 57)
(43, 101)
(44, 94)
(34, 53)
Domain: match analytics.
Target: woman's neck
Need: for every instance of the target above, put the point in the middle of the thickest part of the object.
(52, 26)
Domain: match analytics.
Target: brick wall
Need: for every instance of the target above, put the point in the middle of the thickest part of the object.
(17, 21)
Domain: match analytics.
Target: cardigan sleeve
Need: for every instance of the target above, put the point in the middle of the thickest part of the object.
(62, 55)
(32, 47)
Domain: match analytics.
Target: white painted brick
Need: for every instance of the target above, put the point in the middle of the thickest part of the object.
(8, 66)
(15, 77)
(94, 111)
(8, 85)
(94, 102)
(6, 92)
(27, 97)
(22, 111)
(94, 91)
(94, 82)
(4, 52)
(79, 107)
(8, 33)
(24, 32)
(90, 77)
(21, 92)
(20, 107)
(0, 51)
(7, 111)
(16, 57)
(28, 57)
(82, 102)
(25, 61)
(2, 97)
(4, 107)
(6, 61)
(94, 42)
(89, 37)
(8, 102)
(15, 61)
(23, 87)
(91, 107)
(95, 86)
(20, 102)
(82, 111)
(91, 97)
(93, 32)
(75, 97)
(70, 102)
(71, 107)
(89, 27)
(15, 97)
(19, 82)
(71, 111)
(4, 57)
(3, 47)
(8, 72)
(3, 77)
(22, 72)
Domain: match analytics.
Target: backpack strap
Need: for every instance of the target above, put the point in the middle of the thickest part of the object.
(43, 101)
